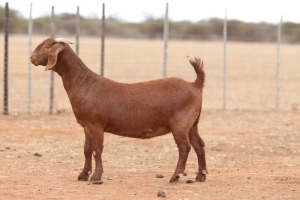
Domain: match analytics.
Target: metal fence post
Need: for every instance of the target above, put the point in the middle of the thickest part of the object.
(77, 24)
(166, 38)
(52, 73)
(225, 61)
(29, 63)
(278, 63)
(102, 41)
(5, 74)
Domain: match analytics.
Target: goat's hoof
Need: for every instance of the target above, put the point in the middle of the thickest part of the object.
(96, 179)
(174, 178)
(201, 177)
(83, 179)
(84, 176)
(97, 182)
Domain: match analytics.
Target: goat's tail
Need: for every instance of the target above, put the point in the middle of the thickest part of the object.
(198, 64)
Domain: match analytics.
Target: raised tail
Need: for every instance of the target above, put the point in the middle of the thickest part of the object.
(198, 64)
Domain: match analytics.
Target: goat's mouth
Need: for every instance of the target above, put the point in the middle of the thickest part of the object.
(34, 62)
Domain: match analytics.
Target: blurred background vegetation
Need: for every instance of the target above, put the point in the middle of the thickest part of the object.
(210, 29)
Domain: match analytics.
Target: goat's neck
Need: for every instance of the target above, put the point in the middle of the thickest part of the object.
(73, 71)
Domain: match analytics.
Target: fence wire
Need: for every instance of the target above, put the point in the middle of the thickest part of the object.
(133, 55)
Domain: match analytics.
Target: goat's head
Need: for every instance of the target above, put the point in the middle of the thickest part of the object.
(46, 53)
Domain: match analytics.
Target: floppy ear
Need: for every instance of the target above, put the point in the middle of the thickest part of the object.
(52, 56)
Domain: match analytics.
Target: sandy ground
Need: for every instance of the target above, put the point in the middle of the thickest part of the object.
(250, 155)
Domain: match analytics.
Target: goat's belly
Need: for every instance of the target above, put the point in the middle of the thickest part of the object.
(142, 133)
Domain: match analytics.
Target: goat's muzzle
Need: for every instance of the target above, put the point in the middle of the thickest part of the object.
(33, 61)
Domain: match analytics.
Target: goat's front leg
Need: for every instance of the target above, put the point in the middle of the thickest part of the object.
(97, 138)
(88, 150)
(184, 147)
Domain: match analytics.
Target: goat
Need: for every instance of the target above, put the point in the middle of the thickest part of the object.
(139, 110)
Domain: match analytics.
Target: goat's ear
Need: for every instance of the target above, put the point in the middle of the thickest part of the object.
(52, 56)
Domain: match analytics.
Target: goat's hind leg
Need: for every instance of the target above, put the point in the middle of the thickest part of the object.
(88, 150)
(97, 138)
(198, 145)
(184, 147)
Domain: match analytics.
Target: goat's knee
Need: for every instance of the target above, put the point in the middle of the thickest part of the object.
(184, 147)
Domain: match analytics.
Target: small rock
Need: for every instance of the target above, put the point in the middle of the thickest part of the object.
(190, 181)
(161, 194)
(159, 176)
(37, 155)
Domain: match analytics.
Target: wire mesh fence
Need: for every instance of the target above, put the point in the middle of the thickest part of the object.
(250, 77)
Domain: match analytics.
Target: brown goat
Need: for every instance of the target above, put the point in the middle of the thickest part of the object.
(140, 110)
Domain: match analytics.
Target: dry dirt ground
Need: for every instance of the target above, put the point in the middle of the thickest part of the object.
(250, 155)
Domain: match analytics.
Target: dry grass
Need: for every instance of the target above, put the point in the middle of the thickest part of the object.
(251, 71)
